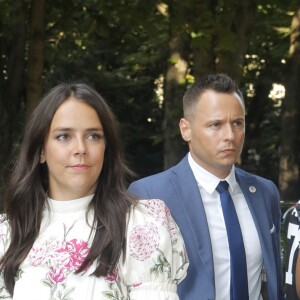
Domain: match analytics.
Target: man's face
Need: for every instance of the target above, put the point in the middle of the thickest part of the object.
(215, 131)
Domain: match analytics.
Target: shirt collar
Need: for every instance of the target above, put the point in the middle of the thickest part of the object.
(69, 206)
(209, 181)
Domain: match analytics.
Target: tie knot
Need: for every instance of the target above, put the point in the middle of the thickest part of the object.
(222, 186)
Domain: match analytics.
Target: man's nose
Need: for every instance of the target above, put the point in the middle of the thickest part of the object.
(229, 134)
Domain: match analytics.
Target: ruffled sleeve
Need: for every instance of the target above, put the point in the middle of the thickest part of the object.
(155, 260)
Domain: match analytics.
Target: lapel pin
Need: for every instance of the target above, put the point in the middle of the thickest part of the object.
(252, 189)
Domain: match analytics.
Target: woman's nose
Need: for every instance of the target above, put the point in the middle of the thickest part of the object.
(80, 148)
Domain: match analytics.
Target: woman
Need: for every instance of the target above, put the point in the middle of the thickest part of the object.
(70, 229)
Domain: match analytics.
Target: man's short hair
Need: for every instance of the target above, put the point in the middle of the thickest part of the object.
(220, 83)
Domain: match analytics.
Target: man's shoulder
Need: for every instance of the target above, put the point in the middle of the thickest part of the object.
(155, 177)
(164, 175)
(244, 174)
(266, 186)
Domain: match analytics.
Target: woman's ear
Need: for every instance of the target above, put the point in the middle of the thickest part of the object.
(185, 130)
(42, 157)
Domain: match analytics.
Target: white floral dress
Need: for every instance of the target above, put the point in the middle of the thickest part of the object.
(155, 260)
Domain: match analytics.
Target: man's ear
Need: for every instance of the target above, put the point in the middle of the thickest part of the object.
(42, 157)
(185, 129)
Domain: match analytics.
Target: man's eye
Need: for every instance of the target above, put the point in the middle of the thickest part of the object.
(238, 123)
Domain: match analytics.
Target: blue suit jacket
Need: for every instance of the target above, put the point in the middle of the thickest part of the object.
(177, 186)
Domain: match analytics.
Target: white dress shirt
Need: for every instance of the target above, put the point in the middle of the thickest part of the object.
(207, 184)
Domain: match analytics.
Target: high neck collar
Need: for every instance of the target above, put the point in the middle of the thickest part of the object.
(69, 206)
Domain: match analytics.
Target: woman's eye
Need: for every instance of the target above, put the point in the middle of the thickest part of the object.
(94, 136)
(63, 137)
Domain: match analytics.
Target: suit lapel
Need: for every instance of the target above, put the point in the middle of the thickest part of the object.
(256, 201)
(195, 219)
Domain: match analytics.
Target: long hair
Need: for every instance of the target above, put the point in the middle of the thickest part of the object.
(25, 197)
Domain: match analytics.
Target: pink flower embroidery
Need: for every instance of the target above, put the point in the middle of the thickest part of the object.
(41, 253)
(113, 277)
(143, 241)
(73, 254)
(56, 276)
(162, 215)
(137, 284)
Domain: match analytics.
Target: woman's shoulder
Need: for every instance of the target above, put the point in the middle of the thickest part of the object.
(154, 211)
(152, 207)
(151, 224)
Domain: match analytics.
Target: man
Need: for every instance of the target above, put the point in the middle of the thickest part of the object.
(214, 128)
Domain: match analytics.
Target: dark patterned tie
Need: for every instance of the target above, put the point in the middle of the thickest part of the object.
(238, 265)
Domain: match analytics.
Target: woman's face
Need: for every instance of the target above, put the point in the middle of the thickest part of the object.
(74, 151)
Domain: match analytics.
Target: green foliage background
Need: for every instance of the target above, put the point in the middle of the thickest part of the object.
(122, 49)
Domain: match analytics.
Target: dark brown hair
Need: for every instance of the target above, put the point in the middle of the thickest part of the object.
(25, 197)
(220, 83)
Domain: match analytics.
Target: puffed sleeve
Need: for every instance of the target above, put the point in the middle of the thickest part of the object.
(155, 260)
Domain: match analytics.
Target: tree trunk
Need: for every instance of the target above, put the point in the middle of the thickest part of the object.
(203, 42)
(175, 84)
(289, 155)
(223, 46)
(36, 54)
(236, 25)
